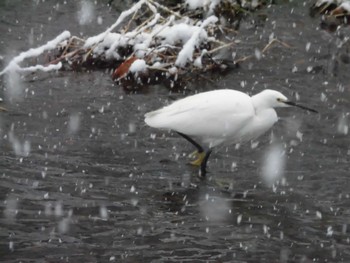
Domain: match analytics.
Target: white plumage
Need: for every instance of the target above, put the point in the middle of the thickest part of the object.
(220, 116)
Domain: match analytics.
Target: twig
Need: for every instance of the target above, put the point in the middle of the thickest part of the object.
(217, 42)
(70, 43)
(274, 41)
(224, 45)
(130, 21)
(158, 68)
(65, 56)
(267, 47)
(165, 8)
(324, 9)
(95, 40)
(205, 78)
(242, 59)
(144, 23)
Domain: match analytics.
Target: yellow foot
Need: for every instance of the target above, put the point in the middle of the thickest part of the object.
(199, 158)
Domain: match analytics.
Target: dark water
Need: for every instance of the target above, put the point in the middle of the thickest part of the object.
(84, 180)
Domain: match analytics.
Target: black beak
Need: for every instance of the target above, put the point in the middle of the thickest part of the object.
(291, 103)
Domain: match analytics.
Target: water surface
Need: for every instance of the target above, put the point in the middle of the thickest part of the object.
(83, 178)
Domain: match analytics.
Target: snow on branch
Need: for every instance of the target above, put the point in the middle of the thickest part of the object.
(93, 40)
(334, 13)
(47, 68)
(148, 42)
(35, 52)
(186, 52)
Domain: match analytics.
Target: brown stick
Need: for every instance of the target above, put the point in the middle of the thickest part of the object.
(165, 9)
(267, 47)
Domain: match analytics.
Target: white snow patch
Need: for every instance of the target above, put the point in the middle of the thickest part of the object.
(173, 70)
(100, 37)
(198, 61)
(345, 6)
(194, 4)
(180, 33)
(51, 67)
(111, 42)
(207, 5)
(186, 52)
(139, 65)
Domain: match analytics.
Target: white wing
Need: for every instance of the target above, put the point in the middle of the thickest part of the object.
(213, 115)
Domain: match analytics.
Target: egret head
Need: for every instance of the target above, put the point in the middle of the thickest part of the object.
(277, 99)
(274, 99)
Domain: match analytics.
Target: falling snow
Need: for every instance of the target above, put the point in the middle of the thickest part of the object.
(274, 164)
(86, 12)
(74, 123)
(83, 178)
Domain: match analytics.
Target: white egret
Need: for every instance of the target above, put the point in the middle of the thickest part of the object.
(220, 116)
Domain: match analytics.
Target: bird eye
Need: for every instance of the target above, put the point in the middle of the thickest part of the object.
(278, 99)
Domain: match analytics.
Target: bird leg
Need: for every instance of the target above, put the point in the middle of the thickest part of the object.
(197, 145)
(199, 154)
(203, 169)
(202, 156)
